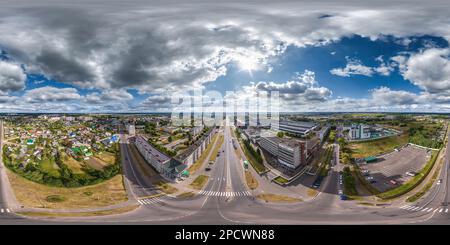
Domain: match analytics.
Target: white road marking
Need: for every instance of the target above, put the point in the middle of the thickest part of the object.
(446, 210)
(440, 210)
(2, 210)
(430, 209)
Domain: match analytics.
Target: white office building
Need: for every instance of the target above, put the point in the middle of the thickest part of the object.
(359, 131)
(131, 129)
(289, 152)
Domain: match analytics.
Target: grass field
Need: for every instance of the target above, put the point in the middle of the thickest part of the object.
(73, 164)
(252, 183)
(277, 198)
(49, 166)
(80, 214)
(31, 194)
(199, 182)
(280, 180)
(166, 188)
(106, 157)
(217, 148)
(376, 147)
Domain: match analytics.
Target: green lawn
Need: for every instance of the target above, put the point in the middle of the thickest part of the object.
(280, 180)
(376, 147)
(199, 182)
(48, 165)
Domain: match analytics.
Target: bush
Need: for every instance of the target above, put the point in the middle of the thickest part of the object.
(55, 198)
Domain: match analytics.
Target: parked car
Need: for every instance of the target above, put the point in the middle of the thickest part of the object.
(211, 162)
(343, 197)
(439, 182)
(369, 178)
(392, 182)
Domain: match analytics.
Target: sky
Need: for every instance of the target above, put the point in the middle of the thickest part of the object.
(140, 56)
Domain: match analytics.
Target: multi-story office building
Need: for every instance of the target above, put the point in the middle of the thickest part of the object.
(131, 129)
(359, 131)
(289, 152)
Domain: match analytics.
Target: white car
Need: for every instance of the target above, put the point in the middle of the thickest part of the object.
(340, 192)
(369, 178)
(439, 182)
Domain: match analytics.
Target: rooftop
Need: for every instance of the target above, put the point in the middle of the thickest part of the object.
(193, 147)
(284, 141)
(161, 157)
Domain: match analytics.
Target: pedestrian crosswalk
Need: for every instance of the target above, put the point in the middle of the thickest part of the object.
(5, 211)
(425, 209)
(150, 201)
(224, 194)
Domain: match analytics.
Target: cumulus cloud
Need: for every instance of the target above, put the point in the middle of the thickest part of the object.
(51, 94)
(356, 67)
(108, 96)
(429, 69)
(12, 77)
(153, 46)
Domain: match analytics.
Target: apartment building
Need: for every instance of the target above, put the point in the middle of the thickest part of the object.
(168, 167)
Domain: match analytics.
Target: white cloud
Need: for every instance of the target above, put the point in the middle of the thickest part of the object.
(51, 94)
(429, 69)
(355, 67)
(12, 77)
(109, 95)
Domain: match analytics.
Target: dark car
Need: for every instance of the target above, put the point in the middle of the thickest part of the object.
(207, 169)
(343, 197)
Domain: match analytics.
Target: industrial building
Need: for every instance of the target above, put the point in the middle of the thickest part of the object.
(298, 128)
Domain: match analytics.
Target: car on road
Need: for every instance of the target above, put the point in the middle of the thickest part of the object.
(373, 181)
(340, 192)
(208, 169)
(211, 162)
(369, 178)
(439, 182)
(343, 197)
(411, 173)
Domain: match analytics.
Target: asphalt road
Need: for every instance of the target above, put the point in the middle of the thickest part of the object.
(215, 207)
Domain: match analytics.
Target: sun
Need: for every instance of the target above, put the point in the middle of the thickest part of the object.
(247, 64)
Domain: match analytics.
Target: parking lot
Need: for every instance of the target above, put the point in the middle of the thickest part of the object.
(390, 169)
